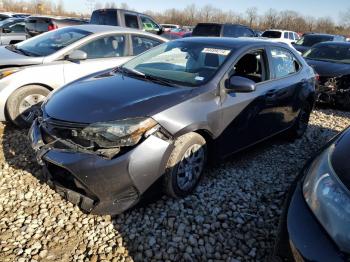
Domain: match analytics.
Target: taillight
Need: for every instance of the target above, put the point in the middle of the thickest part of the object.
(317, 77)
(52, 27)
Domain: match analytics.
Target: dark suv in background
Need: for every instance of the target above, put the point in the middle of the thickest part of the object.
(125, 18)
(36, 25)
(310, 39)
(223, 30)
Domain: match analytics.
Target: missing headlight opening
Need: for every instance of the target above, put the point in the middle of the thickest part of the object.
(101, 139)
(334, 91)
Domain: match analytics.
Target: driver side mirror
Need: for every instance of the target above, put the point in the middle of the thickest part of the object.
(240, 84)
(77, 55)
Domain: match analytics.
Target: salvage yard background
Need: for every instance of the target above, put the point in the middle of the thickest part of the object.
(232, 216)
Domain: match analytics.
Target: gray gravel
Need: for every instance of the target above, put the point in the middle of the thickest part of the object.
(232, 216)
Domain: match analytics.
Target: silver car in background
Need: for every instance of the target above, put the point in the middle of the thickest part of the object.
(12, 31)
(31, 69)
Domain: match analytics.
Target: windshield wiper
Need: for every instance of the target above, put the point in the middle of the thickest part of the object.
(134, 72)
(20, 51)
(129, 71)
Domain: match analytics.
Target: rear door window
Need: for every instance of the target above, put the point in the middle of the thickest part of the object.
(283, 62)
(131, 21)
(141, 44)
(105, 47)
(291, 36)
(16, 27)
(104, 17)
(236, 31)
(285, 35)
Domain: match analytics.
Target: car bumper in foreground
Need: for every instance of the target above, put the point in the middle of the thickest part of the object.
(301, 237)
(97, 184)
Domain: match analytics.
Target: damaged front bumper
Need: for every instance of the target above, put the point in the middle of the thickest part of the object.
(334, 90)
(95, 183)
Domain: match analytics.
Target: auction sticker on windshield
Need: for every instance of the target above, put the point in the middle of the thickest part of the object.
(216, 51)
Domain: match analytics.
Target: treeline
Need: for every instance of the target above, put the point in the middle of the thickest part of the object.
(192, 14)
(36, 7)
(288, 19)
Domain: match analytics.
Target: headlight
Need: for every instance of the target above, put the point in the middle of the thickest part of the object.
(329, 199)
(6, 72)
(126, 132)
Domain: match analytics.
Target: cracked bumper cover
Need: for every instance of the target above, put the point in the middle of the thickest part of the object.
(97, 184)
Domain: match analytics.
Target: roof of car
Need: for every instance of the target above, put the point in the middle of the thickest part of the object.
(106, 28)
(338, 43)
(112, 29)
(318, 34)
(227, 41)
(214, 23)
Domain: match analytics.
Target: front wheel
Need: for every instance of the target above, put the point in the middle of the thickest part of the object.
(301, 123)
(24, 104)
(185, 165)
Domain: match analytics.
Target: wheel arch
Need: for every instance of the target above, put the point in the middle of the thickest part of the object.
(31, 84)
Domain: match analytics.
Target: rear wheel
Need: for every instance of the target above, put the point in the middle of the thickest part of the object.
(185, 165)
(23, 106)
(301, 123)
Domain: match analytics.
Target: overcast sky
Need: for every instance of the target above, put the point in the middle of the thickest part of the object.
(316, 8)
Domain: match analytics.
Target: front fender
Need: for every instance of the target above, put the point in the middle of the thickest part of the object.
(46, 77)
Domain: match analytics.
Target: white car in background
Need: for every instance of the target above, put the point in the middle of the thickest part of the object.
(30, 70)
(281, 36)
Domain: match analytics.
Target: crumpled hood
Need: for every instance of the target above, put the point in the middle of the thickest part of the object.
(340, 158)
(10, 58)
(329, 69)
(108, 98)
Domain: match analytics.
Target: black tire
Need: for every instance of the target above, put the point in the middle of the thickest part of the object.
(301, 123)
(14, 103)
(171, 181)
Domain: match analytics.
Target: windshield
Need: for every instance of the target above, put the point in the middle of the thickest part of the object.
(51, 42)
(331, 52)
(181, 62)
(272, 34)
(310, 40)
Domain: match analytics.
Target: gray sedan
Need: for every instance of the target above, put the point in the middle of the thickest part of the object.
(31, 69)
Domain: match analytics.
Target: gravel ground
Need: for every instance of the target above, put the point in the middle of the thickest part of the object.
(232, 216)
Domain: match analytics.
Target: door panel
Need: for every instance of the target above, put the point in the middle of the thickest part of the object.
(287, 84)
(248, 116)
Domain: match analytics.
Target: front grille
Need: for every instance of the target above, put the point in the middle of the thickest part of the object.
(52, 129)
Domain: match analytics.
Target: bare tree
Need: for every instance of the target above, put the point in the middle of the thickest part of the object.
(252, 15)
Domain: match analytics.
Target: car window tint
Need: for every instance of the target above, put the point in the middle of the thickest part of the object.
(207, 30)
(291, 35)
(149, 24)
(283, 62)
(17, 27)
(141, 44)
(272, 34)
(131, 21)
(252, 66)
(104, 17)
(109, 46)
(285, 35)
